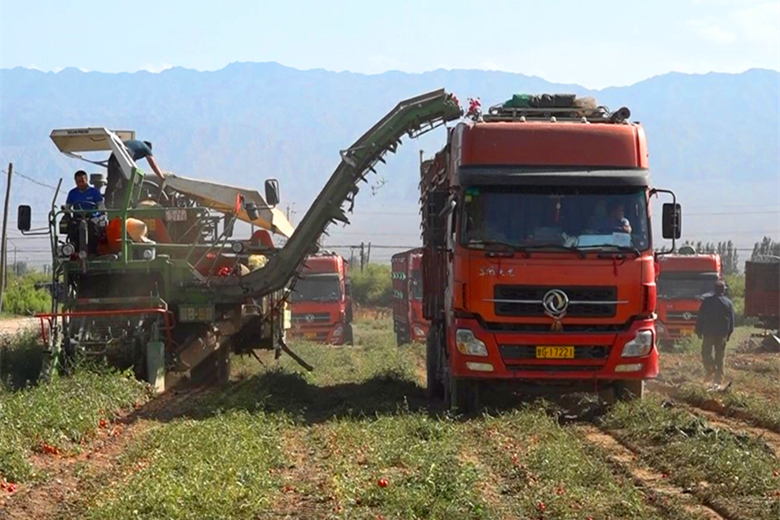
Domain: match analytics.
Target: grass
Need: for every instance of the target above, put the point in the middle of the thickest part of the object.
(21, 359)
(282, 442)
(755, 380)
(21, 298)
(739, 470)
(221, 467)
(60, 414)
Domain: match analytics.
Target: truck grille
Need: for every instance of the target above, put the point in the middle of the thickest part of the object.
(515, 352)
(681, 316)
(311, 318)
(526, 300)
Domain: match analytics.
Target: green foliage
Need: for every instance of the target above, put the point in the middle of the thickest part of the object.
(21, 298)
(738, 468)
(60, 414)
(21, 359)
(373, 286)
(767, 247)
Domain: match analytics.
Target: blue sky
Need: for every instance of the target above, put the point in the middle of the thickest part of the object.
(597, 43)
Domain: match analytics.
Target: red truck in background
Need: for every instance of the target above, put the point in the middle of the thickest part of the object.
(762, 290)
(321, 301)
(538, 262)
(408, 322)
(683, 280)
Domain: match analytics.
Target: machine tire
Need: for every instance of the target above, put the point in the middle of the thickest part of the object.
(435, 387)
(214, 369)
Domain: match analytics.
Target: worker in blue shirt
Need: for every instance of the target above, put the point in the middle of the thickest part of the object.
(117, 183)
(85, 198)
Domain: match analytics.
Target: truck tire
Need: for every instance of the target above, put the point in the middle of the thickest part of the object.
(349, 335)
(435, 387)
(629, 390)
(462, 395)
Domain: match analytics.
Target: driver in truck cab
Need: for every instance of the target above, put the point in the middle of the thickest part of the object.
(616, 221)
(85, 198)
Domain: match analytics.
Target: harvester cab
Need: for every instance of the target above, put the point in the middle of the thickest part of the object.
(169, 288)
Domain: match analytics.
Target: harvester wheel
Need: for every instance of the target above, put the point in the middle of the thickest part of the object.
(435, 385)
(213, 369)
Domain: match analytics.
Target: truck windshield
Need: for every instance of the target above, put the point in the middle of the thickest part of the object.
(559, 217)
(316, 289)
(679, 287)
(417, 288)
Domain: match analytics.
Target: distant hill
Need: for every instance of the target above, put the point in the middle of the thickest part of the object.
(713, 137)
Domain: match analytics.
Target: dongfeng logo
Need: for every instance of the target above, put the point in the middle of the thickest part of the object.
(555, 302)
(687, 316)
(309, 318)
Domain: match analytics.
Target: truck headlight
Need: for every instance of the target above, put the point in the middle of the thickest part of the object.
(468, 344)
(338, 331)
(419, 332)
(640, 345)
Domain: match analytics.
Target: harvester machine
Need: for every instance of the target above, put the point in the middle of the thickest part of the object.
(169, 289)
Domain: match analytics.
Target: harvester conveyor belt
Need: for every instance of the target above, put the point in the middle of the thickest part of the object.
(412, 117)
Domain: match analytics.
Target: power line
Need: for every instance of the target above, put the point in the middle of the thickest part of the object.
(34, 181)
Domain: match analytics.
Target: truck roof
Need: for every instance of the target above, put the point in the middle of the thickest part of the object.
(323, 264)
(547, 143)
(700, 263)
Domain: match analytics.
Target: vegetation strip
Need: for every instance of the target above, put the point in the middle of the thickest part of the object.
(653, 482)
(737, 475)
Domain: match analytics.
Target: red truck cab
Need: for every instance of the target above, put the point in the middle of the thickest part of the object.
(408, 321)
(321, 301)
(538, 263)
(682, 282)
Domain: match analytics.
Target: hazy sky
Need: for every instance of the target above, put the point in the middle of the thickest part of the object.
(596, 43)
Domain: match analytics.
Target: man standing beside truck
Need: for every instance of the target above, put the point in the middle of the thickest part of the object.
(715, 325)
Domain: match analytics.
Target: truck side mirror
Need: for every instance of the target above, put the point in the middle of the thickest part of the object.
(24, 218)
(672, 221)
(272, 192)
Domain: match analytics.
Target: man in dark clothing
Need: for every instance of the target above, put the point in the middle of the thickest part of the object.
(715, 324)
(117, 183)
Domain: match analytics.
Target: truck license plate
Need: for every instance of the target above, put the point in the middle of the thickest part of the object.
(555, 352)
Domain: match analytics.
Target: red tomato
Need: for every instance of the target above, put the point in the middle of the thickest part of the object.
(382, 483)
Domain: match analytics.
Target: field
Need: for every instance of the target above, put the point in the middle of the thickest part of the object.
(357, 438)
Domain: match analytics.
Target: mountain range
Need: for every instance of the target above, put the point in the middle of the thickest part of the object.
(713, 138)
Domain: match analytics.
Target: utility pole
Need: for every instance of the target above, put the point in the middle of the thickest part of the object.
(362, 256)
(368, 255)
(3, 239)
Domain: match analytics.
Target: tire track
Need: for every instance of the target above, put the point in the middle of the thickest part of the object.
(656, 486)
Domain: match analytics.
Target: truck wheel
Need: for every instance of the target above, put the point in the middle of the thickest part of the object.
(629, 390)
(462, 395)
(435, 387)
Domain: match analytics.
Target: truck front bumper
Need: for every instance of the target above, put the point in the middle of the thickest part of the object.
(514, 355)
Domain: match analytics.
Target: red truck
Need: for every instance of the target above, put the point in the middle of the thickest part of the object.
(762, 290)
(683, 280)
(322, 302)
(538, 263)
(408, 321)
